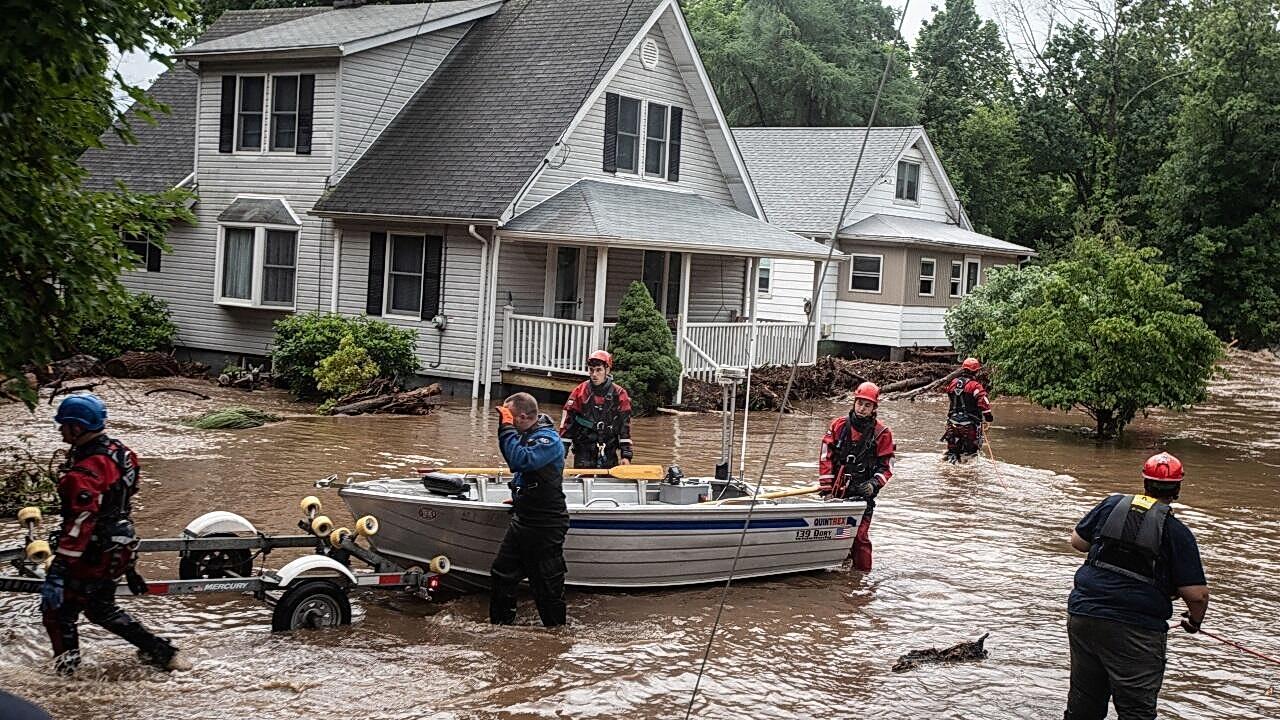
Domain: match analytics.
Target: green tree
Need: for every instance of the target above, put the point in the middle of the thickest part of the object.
(62, 252)
(140, 323)
(303, 340)
(804, 62)
(1219, 193)
(644, 351)
(962, 65)
(1106, 333)
(994, 304)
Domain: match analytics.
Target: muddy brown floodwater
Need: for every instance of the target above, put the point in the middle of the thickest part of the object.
(960, 551)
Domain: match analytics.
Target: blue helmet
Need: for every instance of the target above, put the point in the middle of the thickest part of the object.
(87, 411)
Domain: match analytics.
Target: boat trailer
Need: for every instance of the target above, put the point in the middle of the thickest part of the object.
(217, 552)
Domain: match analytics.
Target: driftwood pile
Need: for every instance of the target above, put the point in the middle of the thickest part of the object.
(829, 378)
(960, 652)
(382, 396)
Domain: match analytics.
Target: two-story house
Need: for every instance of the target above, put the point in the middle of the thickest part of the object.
(491, 173)
(911, 250)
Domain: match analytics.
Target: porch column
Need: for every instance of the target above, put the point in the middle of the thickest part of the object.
(491, 316)
(597, 308)
(815, 317)
(682, 320)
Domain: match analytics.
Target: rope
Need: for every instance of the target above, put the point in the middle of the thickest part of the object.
(1240, 647)
(795, 366)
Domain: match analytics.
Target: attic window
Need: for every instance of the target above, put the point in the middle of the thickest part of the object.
(908, 188)
(649, 53)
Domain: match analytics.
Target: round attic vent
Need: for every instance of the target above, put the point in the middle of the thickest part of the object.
(649, 53)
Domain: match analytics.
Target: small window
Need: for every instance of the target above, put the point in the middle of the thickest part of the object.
(957, 271)
(764, 277)
(237, 264)
(865, 275)
(148, 254)
(279, 267)
(404, 275)
(284, 112)
(972, 275)
(908, 188)
(655, 147)
(249, 113)
(628, 135)
(928, 270)
(259, 266)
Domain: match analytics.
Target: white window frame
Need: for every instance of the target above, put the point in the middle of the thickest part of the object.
(666, 142)
(387, 312)
(764, 265)
(879, 273)
(971, 260)
(549, 281)
(266, 115)
(259, 269)
(639, 136)
(955, 284)
(932, 277)
(898, 177)
(268, 106)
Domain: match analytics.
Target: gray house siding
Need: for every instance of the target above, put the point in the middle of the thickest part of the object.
(584, 148)
(377, 83)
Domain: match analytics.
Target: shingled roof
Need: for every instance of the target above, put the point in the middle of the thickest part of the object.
(475, 132)
(165, 151)
(802, 174)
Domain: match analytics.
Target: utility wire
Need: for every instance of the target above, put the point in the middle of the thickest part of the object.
(816, 298)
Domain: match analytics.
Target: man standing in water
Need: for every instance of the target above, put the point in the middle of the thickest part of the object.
(597, 417)
(856, 461)
(968, 412)
(1140, 556)
(96, 541)
(534, 544)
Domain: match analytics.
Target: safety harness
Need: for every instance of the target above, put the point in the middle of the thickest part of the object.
(599, 422)
(964, 404)
(1129, 542)
(851, 458)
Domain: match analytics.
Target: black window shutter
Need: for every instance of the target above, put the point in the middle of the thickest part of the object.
(153, 257)
(431, 277)
(673, 154)
(377, 266)
(610, 132)
(306, 105)
(227, 117)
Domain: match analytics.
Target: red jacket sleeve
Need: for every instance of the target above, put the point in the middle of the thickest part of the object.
(885, 448)
(980, 394)
(826, 466)
(81, 489)
(624, 429)
(570, 409)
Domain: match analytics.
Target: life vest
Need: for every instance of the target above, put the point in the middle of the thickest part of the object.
(116, 502)
(856, 458)
(598, 417)
(1129, 541)
(964, 404)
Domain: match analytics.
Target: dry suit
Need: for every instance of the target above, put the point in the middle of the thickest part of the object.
(95, 545)
(856, 462)
(533, 547)
(597, 423)
(969, 408)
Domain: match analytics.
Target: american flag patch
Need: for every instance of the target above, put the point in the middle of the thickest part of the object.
(844, 532)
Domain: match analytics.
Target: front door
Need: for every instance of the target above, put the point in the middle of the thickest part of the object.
(567, 300)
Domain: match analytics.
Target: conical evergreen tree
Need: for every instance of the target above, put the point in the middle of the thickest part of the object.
(644, 352)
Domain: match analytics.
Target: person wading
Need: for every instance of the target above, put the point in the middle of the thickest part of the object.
(597, 418)
(533, 547)
(96, 540)
(969, 409)
(1140, 557)
(856, 462)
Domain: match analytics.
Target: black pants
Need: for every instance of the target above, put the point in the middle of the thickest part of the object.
(536, 553)
(1114, 661)
(97, 600)
(589, 456)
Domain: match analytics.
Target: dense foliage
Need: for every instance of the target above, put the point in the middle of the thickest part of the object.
(1102, 330)
(993, 304)
(348, 369)
(303, 340)
(139, 322)
(62, 253)
(644, 351)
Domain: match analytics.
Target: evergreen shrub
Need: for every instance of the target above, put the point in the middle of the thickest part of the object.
(644, 352)
(139, 323)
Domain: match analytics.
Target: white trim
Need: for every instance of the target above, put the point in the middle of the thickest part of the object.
(419, 29)
(951, 278)
(639, 244)
(921, 277)
(287, 206)
(257, 271)
(269, 108)
(913, 202)
(666, 143)
(761, 266)
(879, 274)
(638, 172)
(386, 276)
(940, 174)
(971, 260)
(235, 126)
(337, 125)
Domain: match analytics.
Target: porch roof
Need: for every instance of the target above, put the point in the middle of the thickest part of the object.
(905, 230)
(629, 215)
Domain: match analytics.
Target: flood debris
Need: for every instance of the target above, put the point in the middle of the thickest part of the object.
(382, 396)
(960, 652)
(28, 480)
(233, 418)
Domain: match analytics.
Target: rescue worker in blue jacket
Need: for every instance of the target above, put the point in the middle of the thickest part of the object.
(533, 547)
(1140, 557)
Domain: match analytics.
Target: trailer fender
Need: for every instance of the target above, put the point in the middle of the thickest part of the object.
(311, 563)
(218, 521)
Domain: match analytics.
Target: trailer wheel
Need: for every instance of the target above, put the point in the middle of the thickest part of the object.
(214, 564)
(311, 604)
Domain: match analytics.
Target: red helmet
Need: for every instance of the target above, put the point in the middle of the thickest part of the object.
(603, 357)
(971, 364)
(868, 391)
(1162, 468)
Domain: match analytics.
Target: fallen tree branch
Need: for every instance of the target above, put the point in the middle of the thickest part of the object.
(202, 396)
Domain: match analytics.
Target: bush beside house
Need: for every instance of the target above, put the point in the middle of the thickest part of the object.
(304, 341)
(644, 352)
(140, 323)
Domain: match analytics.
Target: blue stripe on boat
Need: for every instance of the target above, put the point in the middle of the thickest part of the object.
(756, 524)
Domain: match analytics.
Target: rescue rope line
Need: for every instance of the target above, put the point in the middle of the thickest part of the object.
(791, 378)
(1240, 647)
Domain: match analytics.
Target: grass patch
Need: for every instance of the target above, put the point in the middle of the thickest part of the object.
(235, 418)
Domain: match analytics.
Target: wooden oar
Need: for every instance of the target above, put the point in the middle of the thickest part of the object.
(621, 472)
(767, 496)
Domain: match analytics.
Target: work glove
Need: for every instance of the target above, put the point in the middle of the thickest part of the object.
(988, 417)
(504, 415)
(1188, 624)
(51, 590)
(868, 490)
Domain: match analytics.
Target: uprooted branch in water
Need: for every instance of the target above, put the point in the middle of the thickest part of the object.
(960, 652)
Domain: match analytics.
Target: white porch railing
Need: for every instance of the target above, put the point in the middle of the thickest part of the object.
(547, 344)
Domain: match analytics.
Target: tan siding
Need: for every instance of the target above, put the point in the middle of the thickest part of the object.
(892, 274)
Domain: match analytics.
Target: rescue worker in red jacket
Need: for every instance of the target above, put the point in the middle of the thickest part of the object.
(856, 462)
(969, 410)
(95, 542)
(597, 418)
